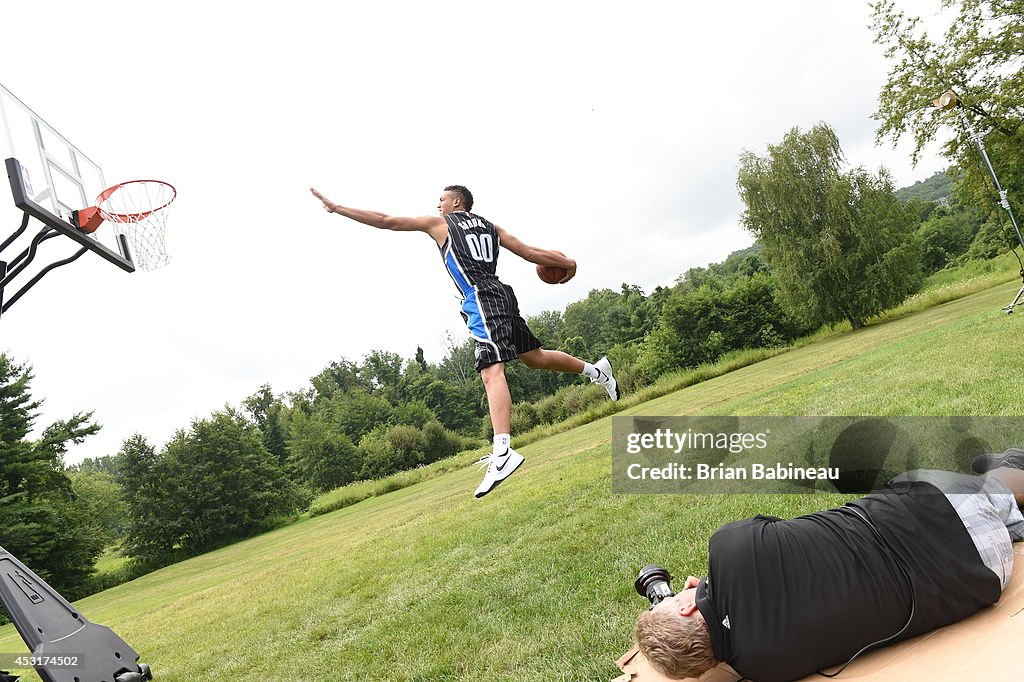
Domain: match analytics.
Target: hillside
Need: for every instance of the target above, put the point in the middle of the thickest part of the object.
(936, 188)
(535, 581)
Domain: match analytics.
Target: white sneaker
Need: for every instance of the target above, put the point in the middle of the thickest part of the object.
(605, 378)
(499, 467)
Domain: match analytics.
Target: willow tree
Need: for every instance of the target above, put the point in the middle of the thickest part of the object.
(839, 242)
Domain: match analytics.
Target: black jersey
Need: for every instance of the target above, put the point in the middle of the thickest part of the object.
(489, 307)
(471, 251)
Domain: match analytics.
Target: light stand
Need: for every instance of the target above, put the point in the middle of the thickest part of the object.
(949, 100)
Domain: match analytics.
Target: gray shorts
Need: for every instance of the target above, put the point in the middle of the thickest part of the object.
(988, 510)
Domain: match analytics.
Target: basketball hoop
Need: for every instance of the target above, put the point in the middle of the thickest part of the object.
(141, 207)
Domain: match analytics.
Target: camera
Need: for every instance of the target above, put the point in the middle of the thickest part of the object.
(653, 584)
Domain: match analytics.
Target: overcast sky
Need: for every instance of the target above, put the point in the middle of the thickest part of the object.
(608, 131)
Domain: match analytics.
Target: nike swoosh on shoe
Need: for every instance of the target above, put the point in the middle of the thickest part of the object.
(500, 467)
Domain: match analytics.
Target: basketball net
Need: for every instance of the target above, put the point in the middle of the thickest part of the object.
(141, 208)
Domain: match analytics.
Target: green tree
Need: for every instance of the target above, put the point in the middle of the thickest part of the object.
(387, 450)
(947, 233)
(936, 189)
(40, 520)
(606, 317)
(838, 243)
(233, 485)
(380, 456)
(990, 240)
(106, 464)
(737, 265)
(155, 502)
(99, 498)
(459, 364)
(456, 406)
(337, 377)
(357, 412)
(549, 327)
(698, 325)
(320, 456)
(414, 413)
(979, 59)
(212, 484)
(268, 411)
(437, 442)
(383, 371)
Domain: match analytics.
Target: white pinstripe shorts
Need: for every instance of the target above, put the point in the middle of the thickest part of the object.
(988, 510)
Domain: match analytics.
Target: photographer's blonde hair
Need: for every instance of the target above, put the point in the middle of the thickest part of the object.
(676, 647)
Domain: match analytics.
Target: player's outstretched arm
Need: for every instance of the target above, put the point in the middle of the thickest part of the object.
(537, 255)
(383, 221)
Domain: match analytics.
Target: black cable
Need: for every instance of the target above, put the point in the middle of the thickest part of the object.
(910, 586)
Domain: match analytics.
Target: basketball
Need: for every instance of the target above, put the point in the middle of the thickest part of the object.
(551, 274)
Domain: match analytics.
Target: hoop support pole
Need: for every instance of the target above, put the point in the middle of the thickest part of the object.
(976, 138)
(17, 233)
(21, 262)
(3, 274)
(123, 243)
(39, 276)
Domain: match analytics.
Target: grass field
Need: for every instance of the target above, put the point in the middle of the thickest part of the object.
(111, 560)
(534, 582)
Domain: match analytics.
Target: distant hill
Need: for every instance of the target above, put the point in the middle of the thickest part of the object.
(936, 188)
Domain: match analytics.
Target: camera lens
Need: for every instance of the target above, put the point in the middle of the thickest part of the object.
(653, 584)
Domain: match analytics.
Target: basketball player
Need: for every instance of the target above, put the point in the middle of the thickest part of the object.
(469, 247)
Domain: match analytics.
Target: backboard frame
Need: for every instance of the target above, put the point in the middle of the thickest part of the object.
(15, 174)
(52, 181)
(55, 179)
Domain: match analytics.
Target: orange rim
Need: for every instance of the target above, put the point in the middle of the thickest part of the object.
(132, 217)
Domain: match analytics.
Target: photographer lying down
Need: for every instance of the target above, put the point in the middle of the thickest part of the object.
(784, 599)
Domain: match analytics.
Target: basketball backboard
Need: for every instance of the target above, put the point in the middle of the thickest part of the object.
(50, 179)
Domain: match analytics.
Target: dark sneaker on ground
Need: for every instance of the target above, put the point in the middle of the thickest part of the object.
(1011, 459)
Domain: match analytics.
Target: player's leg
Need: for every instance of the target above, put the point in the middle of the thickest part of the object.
(599, 373)
(553, 360)
(499, 399)
(503, 460)
(487, 316)
(529, 349)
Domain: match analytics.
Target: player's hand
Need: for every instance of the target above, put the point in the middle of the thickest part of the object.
(569, 275)
(329, 205)
(691, 582)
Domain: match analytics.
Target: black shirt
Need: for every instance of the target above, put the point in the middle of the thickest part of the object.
(784, 599)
